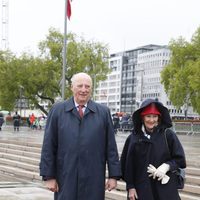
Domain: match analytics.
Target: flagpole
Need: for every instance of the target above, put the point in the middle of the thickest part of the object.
(64, 53)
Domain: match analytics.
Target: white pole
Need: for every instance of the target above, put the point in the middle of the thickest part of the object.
(64, 53)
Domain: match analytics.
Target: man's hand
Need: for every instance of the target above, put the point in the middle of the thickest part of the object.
(111, 184)
(52, 185)
(132, 194)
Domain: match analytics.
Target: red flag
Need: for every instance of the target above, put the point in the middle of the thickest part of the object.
(68, 9)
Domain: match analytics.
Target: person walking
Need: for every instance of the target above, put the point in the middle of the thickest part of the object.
(79, 141)
(32, 120)
(1, 120)
(151, 155)
(16, 121)
(116, 122)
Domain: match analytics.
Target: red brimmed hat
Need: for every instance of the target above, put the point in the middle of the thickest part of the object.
(150, 109)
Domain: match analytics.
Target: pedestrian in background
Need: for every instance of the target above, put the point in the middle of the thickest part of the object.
(32, 120)
(28, 121)
(79, 141)
(151, 154)
(1, 120)
(16, 121)
(116, 122)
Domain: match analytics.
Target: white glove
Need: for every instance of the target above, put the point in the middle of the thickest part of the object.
(161, 171)
(151, 169)
(165, 179)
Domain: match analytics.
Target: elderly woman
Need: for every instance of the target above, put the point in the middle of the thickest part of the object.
(151, 154)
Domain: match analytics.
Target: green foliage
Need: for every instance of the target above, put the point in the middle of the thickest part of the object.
(181, 77)
(8, 75)
(39, 78)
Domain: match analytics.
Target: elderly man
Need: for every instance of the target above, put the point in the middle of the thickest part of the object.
(79, 141)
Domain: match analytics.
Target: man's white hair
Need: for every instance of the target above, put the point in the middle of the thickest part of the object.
(80, 75)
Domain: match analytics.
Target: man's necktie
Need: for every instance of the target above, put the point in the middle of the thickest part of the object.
(80, 110)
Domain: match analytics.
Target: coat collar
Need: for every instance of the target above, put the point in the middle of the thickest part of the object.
(69, 106)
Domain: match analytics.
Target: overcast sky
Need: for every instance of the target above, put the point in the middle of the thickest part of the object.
(123, 24)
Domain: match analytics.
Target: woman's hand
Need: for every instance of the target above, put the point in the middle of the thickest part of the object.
(132, 194)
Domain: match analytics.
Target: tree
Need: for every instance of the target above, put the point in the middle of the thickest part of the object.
(181, 76)
(8, 80)
(40, 77)
(82, 55)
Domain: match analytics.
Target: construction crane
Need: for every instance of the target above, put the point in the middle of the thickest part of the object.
(4, 34)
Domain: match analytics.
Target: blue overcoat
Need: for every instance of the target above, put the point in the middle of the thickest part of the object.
(75, 151)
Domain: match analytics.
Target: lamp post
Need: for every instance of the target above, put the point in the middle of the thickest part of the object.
(94, 86)
(20, 98)
(64, 53)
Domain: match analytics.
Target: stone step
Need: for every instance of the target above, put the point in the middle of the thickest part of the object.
(186, 196)
(188, 150)
(20, 147)
(26, 148)
(19, 165)
(29, 160)
(189, 154)
(31, 154)
(20, 172)
(193, 180)
(192, 177)
(189, 191)
(121, 185)
(193, 189)
(33, 158)
(35, 147)
(20, 153)
(192, 171)
(191, 149)
(122, 195)
(20, 158)
(193, 162)
(19, 142)
(116, 195)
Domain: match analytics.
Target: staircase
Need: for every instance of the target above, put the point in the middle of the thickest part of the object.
(21, 159)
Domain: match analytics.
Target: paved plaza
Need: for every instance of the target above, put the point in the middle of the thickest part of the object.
(12, 188)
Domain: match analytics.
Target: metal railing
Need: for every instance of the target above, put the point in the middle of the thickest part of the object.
(190, 128)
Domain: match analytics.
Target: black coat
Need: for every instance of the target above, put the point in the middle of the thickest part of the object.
(139, 152)
(1, 119)
(16, 120)
(75, 151)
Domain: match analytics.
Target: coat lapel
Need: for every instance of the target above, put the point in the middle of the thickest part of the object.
(70, 107)
(90, 108)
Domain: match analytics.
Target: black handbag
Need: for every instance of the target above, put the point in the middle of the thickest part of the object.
(181, 178)
(180, 172)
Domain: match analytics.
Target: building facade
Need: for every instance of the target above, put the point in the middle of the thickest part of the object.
(109, 91)
(135, 77)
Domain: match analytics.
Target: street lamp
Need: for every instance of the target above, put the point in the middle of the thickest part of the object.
(94, 86)
(20, 98)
